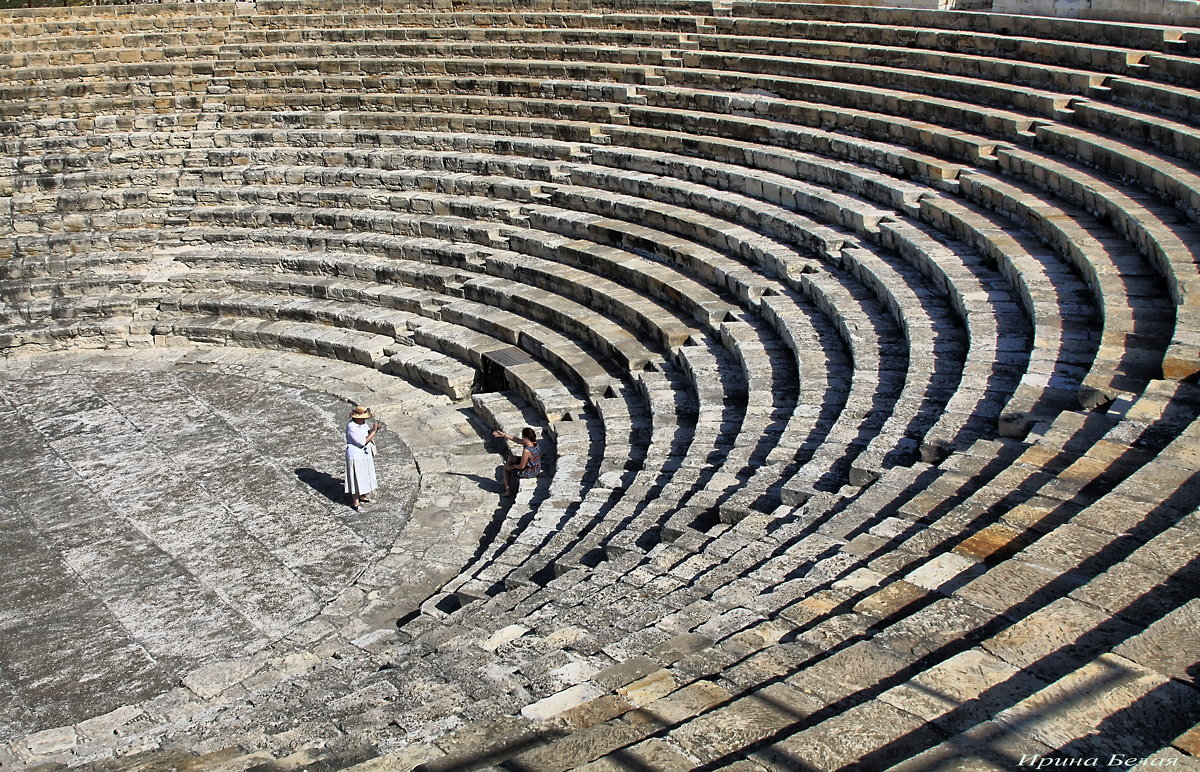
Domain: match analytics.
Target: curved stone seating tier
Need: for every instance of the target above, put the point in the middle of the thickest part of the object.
(501, 125)
(1092, 79)
(848, 586)
(714, 429)
(1131, 296)
(671, 412)
(196, 17)
(898, 305)
(531, 623)
(799, 72)
(87, 296)
(1152, 226)
(1175, 181)
(537, 511)
(1177, 138)
(302, 39)
(236, 64)
(1172, 69)
(190, 196)
(887, 442)
(311, 279)
(602, 294)
(771, 387)
(1121, 58)
(587, 325)
(1181, 103)
(591, 374)
(390, 106)
(845, 328)
(1057, 301)
(383, 75)
(469, 345)
(1099, 33)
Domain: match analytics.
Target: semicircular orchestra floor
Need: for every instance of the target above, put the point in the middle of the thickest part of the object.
(167, 511)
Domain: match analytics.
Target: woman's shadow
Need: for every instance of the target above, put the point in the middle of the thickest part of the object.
(325, 484)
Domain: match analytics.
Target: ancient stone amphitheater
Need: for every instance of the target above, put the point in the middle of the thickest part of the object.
(864, 341)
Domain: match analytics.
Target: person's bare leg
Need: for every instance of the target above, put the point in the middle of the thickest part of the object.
(354, 502)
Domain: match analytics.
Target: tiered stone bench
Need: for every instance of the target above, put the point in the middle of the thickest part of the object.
(861, 341)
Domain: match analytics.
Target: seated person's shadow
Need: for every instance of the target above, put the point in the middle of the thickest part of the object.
(485, 483)
(327, 485)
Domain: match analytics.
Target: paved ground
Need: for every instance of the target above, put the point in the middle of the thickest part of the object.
(158, 516)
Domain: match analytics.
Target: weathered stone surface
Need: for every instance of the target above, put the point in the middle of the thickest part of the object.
(721, 259)
(747, 719)
(962, 691)
(1169, 645)
(1044, 642)
(213, 679)
(939, 570)
(685, 703)
(108, 724)
(994, 542)
(871, 734)
(1101, 692)
(649, 688)
(145, 599)
(1012, 581)
(562, 701)
(51, 741)
(501, 637)
(650, 754)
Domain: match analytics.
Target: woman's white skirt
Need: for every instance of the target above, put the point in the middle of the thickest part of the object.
(360, 474)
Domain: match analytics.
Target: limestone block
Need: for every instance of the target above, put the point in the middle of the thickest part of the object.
(959, 692)
(653, 754)
(1169, 645)
(649, 688)
(1064, 625)
(211, 680)
(562, 701)
(1189, 741)
(745, 720)
(626, 672)
(992, 543)
(503, 636)
(1101, 692)
(106, 726)
(50, 742)
(939, 570)
(933, 626)
(857, 733)
(690, 701)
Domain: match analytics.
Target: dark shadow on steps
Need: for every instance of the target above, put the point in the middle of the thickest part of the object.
(325, 484)
(491, 485)
(1154, 604)
(491, 756)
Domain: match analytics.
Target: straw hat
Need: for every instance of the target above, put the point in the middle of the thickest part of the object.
(360, 411)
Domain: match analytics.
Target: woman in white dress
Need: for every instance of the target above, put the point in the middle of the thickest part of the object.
(360, 460)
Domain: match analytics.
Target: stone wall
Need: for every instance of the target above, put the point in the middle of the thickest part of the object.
(1182, 12)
